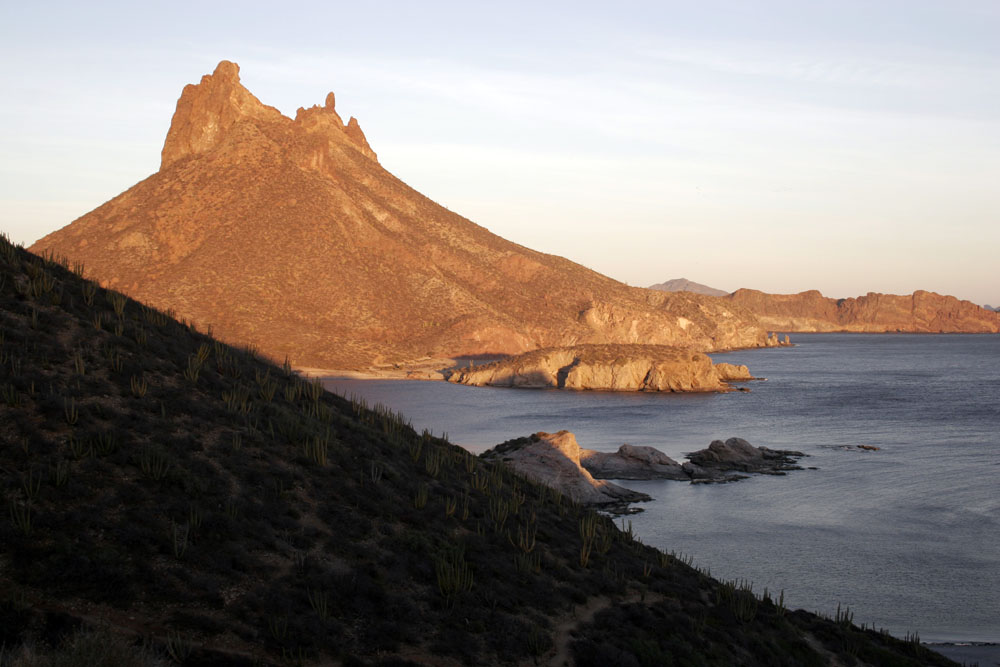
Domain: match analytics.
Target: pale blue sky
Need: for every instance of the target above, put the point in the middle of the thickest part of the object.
(843, 146)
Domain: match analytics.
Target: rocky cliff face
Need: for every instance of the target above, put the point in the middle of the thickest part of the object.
(924, 312)
(554, 459)
(606, 368)
(287, 233)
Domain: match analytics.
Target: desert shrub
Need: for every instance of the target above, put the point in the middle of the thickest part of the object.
(94, 648)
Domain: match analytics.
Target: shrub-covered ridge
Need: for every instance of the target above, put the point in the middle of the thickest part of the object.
(195, 498)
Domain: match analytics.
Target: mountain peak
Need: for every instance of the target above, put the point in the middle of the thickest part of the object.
(227, 70)
(685, 285)
(207, 111)
(288, 233)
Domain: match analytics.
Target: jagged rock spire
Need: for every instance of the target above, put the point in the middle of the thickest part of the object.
(207, 111)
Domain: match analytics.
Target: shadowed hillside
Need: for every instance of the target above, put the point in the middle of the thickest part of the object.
(193, 502)
(289, 234)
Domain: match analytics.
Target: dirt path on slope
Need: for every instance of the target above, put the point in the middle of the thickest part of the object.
(559, 655)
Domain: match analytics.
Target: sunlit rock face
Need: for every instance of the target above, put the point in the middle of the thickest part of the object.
(288, 234)
(554, 459)
(607, 368)
(920, 312)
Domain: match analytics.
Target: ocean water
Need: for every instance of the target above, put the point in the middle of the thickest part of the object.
(907, 537)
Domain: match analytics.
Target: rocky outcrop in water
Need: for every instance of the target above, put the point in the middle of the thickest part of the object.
(631, 462)
(607, 368)
(738, 455)
(733, 372)
(719, 462)
(554, 460)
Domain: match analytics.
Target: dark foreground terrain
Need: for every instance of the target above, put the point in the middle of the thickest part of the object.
(171, 499)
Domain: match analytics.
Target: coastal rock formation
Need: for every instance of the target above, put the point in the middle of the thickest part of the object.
(736, 454)
(685, 285)
(733, 372)
(920, 312)
(716, 463)
(631, 462)
(606, 368)
(288, 234)
(554, 459)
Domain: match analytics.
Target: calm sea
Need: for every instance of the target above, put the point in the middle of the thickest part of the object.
(907, 537)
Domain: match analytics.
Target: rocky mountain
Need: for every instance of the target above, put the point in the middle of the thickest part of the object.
(989, 307)
(289, 234)
(685, 285)
(924, 312)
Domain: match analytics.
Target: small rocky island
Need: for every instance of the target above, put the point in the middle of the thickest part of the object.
(556, 459)
(607, 368)
(719, 462)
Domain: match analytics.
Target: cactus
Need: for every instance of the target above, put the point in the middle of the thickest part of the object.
(420, 497)
(139, 386)
(316, 448)
(320, 603)
(433, 460)
(154, 463)
(454, 576)
(118, 302)
(20, 516)
(70, 411)
(180, 539)
(31, 484)
(60, 473)
(844, 619)
(193, 369)
(499, 511)
(588, 532)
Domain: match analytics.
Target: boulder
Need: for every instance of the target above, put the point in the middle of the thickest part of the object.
(733, 373)
(736, 454)
(631, 462)
(554, 460)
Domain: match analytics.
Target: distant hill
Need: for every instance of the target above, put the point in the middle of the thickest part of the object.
(289, 234)
(685, 285)
(924, 312)
(989, 307)
(171, 497)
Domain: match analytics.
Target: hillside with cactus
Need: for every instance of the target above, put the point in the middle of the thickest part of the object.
(181, 501)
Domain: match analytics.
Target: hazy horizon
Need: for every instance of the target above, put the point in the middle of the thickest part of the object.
(842, 147)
